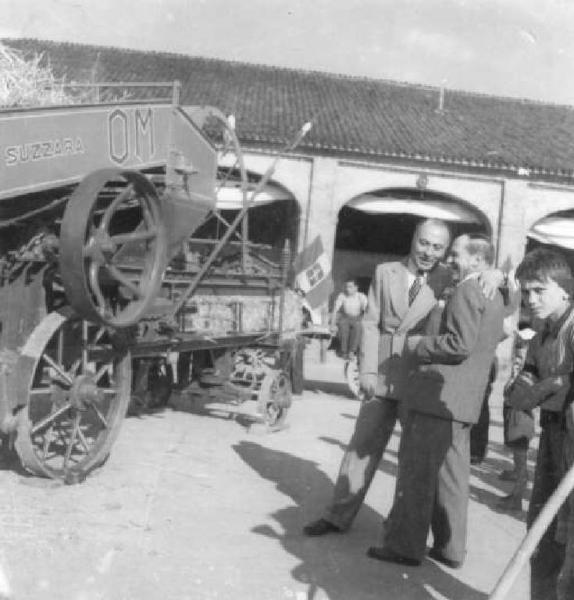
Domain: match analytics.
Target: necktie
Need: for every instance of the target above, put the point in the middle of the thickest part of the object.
(415, 288)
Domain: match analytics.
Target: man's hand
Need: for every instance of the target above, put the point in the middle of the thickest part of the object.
(490, 282)
(412, 342)
(368, 383)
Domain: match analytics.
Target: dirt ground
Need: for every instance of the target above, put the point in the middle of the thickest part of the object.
(202, 506)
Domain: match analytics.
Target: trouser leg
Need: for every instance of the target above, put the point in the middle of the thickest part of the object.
(344, 326)
(424, 445)
(373, 429)
(479, 432)
(547, 560)
(520, 455)
(449, 520)
(355, 335)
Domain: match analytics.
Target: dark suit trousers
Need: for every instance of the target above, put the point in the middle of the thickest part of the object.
(432, 488)
(373, 428)
(546, 562)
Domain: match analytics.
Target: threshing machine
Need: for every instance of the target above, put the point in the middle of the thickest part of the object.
(105, 274)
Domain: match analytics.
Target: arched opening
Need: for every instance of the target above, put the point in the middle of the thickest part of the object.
(272, 219)
(378, 227)
(554, 231)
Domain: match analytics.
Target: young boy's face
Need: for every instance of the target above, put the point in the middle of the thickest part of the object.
(545, 299)
(350, 288)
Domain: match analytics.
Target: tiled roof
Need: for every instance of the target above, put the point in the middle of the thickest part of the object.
(355, 116)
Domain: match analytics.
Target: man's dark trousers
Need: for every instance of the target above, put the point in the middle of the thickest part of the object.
(547, 560)
(432, 488)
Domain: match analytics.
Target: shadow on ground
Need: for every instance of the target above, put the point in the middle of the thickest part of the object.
(335, 566)
(329, 387)
(487, 472)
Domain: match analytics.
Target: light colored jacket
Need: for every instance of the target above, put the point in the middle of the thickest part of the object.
(389, 319)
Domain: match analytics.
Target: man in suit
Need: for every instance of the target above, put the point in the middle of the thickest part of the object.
(401, 296)
(444, 396)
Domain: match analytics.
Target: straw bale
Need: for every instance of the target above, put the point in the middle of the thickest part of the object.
(29, 81)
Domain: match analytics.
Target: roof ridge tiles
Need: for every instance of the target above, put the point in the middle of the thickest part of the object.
(377, 118)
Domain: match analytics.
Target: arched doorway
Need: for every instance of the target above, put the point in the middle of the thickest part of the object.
(378, 227)
(272, 219)
(554, 231)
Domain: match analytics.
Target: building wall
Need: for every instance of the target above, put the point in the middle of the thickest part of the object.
(323, 185)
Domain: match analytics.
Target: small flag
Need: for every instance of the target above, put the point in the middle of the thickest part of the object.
(312, 269)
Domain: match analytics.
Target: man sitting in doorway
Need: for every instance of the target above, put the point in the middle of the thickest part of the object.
(350, 306)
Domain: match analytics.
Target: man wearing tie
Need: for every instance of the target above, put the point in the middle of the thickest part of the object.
(444, 396)
(401, 296)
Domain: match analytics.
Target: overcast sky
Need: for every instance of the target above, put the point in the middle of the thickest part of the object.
(506, 47)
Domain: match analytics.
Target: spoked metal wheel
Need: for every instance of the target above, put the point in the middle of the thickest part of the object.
(274, 398)
(113, 247)
(249, 369)
(76, 386)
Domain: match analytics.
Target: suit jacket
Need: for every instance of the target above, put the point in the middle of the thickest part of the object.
(389, 319)
(452, 375)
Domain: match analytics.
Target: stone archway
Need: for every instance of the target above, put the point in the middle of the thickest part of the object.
(555, 230)
(378, 226)
(272, 219)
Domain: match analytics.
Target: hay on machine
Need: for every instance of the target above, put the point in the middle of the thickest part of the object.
(27, 80)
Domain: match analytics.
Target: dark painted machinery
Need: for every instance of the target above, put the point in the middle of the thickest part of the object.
(108, 286)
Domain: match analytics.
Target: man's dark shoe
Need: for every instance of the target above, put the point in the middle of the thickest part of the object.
(320, 527)
(437, 555)
(511, 503)
(387, 555)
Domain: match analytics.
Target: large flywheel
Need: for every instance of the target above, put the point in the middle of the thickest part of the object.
(75, 383)
(113, 247)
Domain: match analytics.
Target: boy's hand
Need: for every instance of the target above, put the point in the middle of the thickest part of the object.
(549, 386)
(490, 282)
(522, 395)
(547, 391)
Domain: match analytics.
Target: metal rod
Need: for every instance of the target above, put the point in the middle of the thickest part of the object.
(285, 262)
(176, 92)
(534, 535)
(115, 84)
(212, 242)
(225, 222)
(261, 184)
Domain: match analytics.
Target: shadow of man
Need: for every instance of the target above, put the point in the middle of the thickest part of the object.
(335, 567)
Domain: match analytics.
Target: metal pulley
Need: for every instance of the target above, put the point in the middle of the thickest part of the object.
(113, 247)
